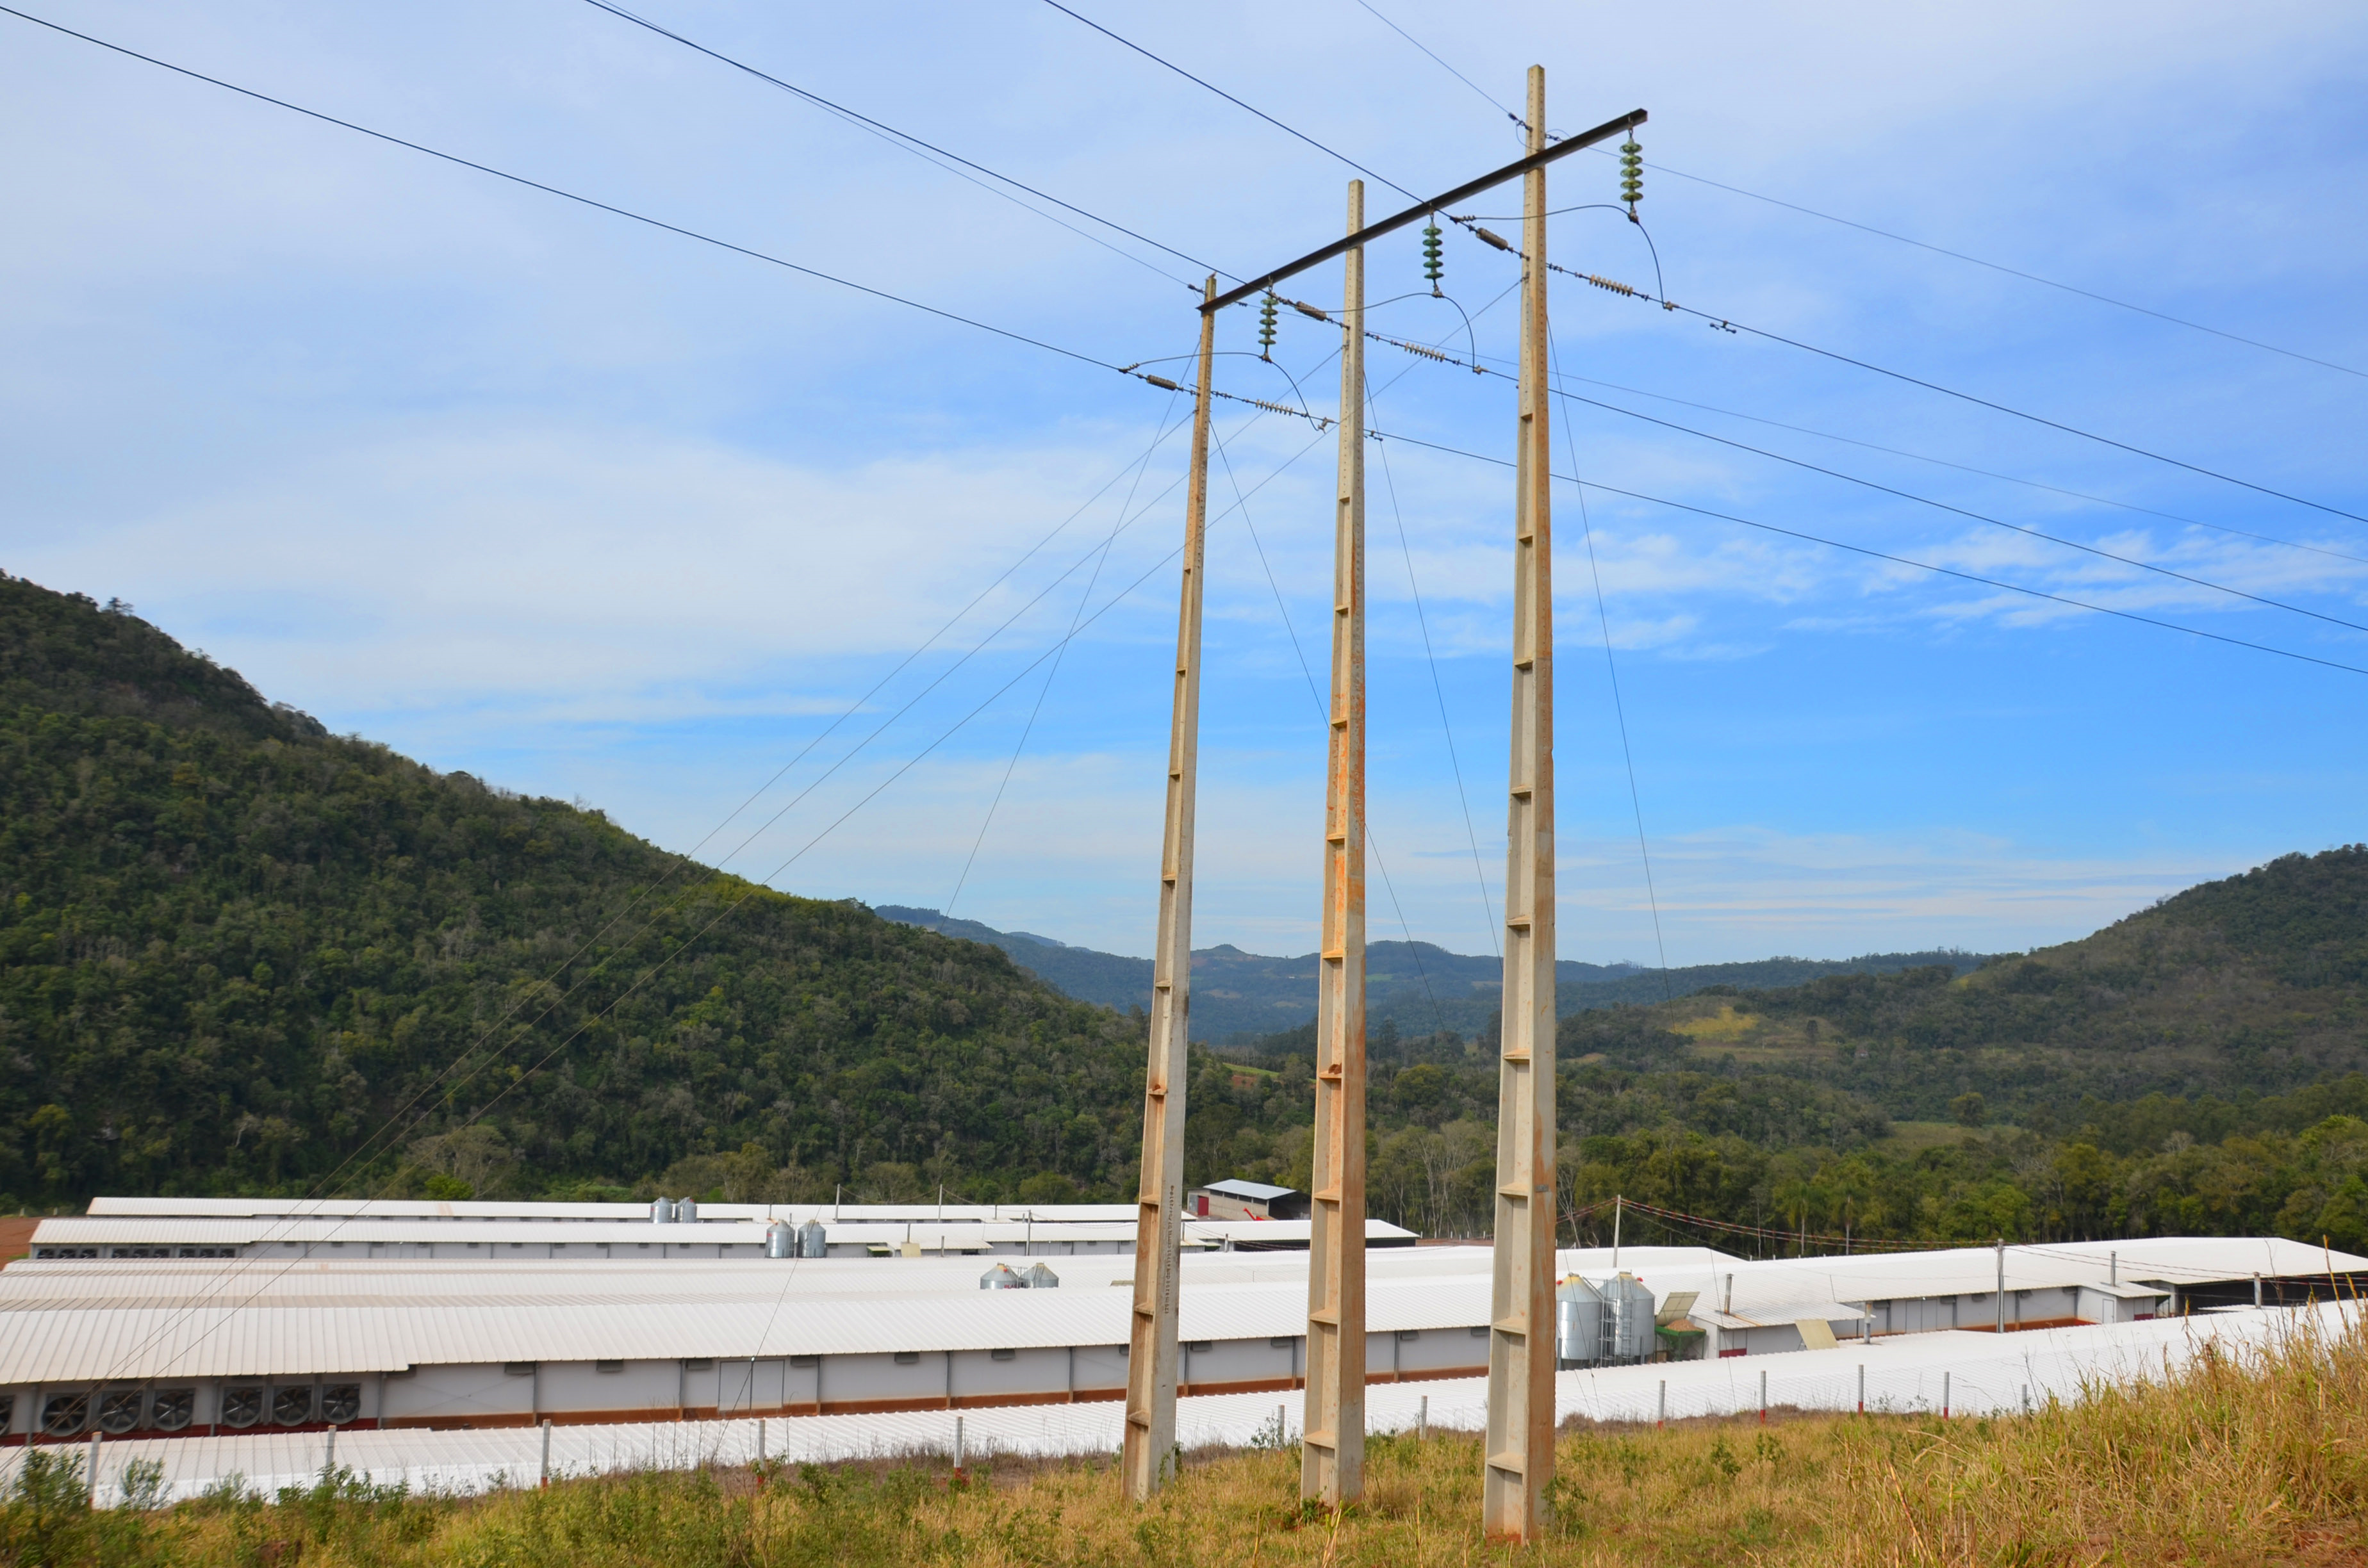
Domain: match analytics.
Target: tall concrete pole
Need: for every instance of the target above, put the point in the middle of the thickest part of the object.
(1520, 1458)
(1332, 1453)
(1147, 1458)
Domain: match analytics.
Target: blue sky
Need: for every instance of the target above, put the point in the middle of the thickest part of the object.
(599, 512)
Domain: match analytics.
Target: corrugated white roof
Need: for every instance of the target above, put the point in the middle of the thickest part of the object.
(429, 1209)
(229, 1339)
(1257, 1190)
(135, 1230)
(62, 1322)
(1763, 1287)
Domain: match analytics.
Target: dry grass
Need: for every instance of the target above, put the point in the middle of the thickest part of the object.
(2262, 1459)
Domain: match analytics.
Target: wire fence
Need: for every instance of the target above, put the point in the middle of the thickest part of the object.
(1918, 1374)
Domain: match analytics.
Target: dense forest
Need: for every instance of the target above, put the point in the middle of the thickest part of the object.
(238, 954)
(233, 949)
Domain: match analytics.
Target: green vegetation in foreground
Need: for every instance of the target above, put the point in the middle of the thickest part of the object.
(2241, 1462)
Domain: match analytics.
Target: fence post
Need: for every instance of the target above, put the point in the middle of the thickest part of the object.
(1944, 1396)
(1763, 1399)
(957, 1443)
(90, 1480)
(329, 1456)
(546, 1454)
(1661, 1416)
(1422, 1420)
(1861, 1388)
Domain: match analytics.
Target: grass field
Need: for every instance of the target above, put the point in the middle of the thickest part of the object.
(2238, 1461)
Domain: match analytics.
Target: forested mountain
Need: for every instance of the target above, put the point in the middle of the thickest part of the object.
(1418, 987)
(232, 947)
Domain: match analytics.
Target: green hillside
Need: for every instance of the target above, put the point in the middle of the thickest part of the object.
(2255, 984)
(232, 946)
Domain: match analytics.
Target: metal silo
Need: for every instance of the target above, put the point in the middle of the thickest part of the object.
(780, 1240)
(661, 1210)
(1041, 1277)
(1578, 1323)
(814, 1241)
(1003, 1277)
(686, 1212)
(1628, 1313)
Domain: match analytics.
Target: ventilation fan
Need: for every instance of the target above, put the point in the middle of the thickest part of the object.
(292, 1406)
(341, 1403)
(169, 1410)
(119, 1411)
(65, 1414)
(242, 1407)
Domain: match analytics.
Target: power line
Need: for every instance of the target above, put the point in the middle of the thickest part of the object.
(1427, 352)
(1728, 323)
(647, 926)
(1618, 704)
(564, 195)
(1229, 98)
(1101, 559)
(1442, 65)
(2013, 272)
(1962, 511)
(1897, 560)
(894, 136)
(1439, 689)
(1887, 234)
(751, 887)
(1962, 468)
(1436, 1017)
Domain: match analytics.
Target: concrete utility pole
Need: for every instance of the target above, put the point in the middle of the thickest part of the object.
(1147, 1461)
(1520, 1453)
(1332, 1449)
(1521, 1353)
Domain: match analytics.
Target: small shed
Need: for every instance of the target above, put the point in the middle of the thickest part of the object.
(2122, 1303)
(1236, 1200)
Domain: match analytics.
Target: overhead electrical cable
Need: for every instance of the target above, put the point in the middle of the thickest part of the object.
(1964, 512)
(751, 888)
(1962, 468)
(1618, 704)
(1229, 98)
(2013, 272)
(1897, 560)
(1728, 323)
(764, 882)
(1373, 840)
(1084, 599)
(464, 1058)
(1426, 352)
(1485, 363)
(911, 142)
(564, 195)
(1885, 234)
(1439, 691)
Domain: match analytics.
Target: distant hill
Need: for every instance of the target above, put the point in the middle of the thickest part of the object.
(2256, 984)
(1418, 986)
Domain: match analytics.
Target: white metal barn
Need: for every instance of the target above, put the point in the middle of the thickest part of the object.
(316, 1316)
